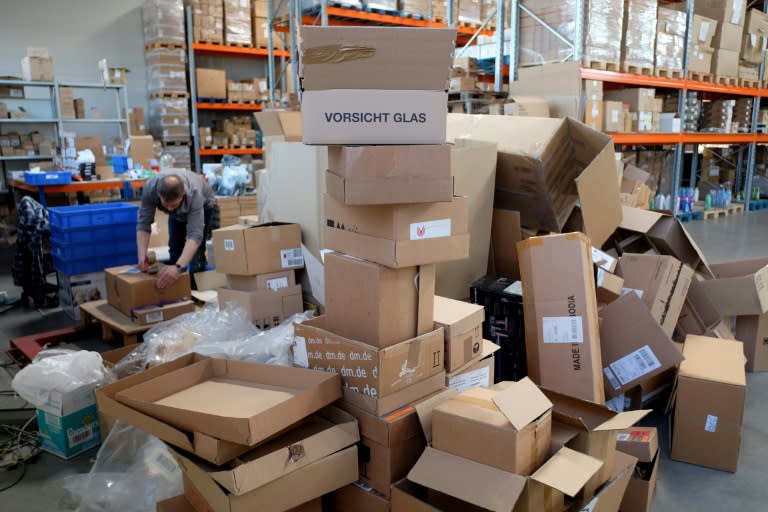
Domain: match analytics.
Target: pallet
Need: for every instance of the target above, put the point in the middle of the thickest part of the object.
(382, 11)
(215, 148)
(735, 208)
(167, 45)
(685, 216)
(602, 65)
(245, 102)
(714, 213)
(243, 147)
(700, 77)
(669, 73)
(343, 5)
(112, 322)
(211, 100)
(173, 142)
(413, 15)
(204, 41)
(175, 95)
(748, 82)
(240, 45)
(726, 80)
(636, 70)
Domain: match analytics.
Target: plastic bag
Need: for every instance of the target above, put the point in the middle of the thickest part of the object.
(132, 472)
(59, 370)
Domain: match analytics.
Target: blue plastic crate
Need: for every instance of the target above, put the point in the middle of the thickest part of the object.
(48, 178)
(94, 234)
(92, 215)
(96, 264)
(80, 251)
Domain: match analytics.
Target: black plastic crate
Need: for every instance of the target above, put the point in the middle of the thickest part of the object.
(503, 325)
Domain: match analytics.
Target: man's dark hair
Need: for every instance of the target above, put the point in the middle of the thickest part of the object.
(170, 187)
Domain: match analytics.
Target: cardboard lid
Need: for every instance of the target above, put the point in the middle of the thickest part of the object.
(609, 496)
(590, 416)
(567, 471)
(457, 316)
(475, 483)
(489, 348)
(639, 220)
(391, 58)
(425, 408)
(713, 359)
(522, 403)
(739, 268)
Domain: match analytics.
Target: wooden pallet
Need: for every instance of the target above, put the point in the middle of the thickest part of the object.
(735, 208)
(637, 70)
(240, 45)
(245, 102)
(726, 80)
(112, 322)
(669, 73)
(175, 142)
(413, 15)
(378, 10)
(748, 82)
(168, 45)
(243, 147)
(700, 77)
(343, 5)
(601, 65)
(714, 213)
(177, 95)
(211, 100)
(204, 41)
(215, 148)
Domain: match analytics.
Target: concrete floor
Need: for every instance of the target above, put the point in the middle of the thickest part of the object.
(680, 486)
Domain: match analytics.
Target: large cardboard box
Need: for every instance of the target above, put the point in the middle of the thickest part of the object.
(639, 99)
(356, 497)
(360, 175)
(236, 401)
(253, 250)
(699, 314)
(265, 308)
(741, 287)
(562, 336)
(379, 305)
(175, 504)
(162, 312)
(541, 174)
(141, 150)
(463, 326)
(399, 236)
(752, 330)
(509, 430)
(613, 117)
(359, 84)
(211, 83)
(389, 445)
(480, 372)
(609, 497)
(663, 283)
(129, 289)
(367, 370)
(725, 63)
(69, 422)
(643, 444)
(37, 69)
(709, 403)
(731, 18)
(272, 281)
(78, 289)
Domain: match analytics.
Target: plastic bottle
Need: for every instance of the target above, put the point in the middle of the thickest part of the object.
(659, 201)
(696, 195)
(667, 202)
(708, 202)
(651, 204)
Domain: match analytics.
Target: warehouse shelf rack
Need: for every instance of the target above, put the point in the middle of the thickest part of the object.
(233, 151)
(247, 107)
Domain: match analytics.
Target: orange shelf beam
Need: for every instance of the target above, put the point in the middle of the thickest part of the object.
(228, 106)
(79, 186)
(236, 51)
(687, 138)
(645, 138)
(669, 83)
(222, 152)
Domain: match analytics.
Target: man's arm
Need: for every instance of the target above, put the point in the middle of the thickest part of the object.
(145, 220)
(142, 244)
(195, 230)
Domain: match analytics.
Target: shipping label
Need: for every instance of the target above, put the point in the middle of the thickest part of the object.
(291, 258)
(711, 424)
(431, 229)
(562, 329)
(153, 318)
(476, 378)
(277, 283)
(632, 366)
(229, 245)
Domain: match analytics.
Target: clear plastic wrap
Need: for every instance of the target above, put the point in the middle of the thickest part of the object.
(166, 69)
(602, 31)
(59, 370)
(181, 154)
(237, 22)
(639, 33)
(132, 472)
(470, 11)
(163, 21)
(416, 8)
(208, 21)
(439, 10)
(670, 39)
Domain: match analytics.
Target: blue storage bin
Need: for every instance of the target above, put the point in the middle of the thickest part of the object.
(119, 164)
(92, 215)
(48, 178)
(94, 234)
(96, 264)
(80, 251)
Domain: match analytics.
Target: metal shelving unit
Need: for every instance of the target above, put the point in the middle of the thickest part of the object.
(121, 105)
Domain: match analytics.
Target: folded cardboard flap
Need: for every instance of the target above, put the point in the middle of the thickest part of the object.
(567, 471)
(589, 416)
(522, 402)
(425, 409)
(714, 360)
(639, 442)
(741, 288)
(608, 497)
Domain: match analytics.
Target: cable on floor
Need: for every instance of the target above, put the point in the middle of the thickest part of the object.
(22, 472)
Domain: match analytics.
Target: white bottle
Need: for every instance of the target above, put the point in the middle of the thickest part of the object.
(696, 195)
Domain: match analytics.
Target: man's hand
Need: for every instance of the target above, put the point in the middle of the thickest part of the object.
(143, 265)
(168, 276)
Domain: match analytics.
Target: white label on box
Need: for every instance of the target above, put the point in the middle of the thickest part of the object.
(603, 260)
(431, 229)
(703, 31)
(623, 437)
(738, 7)
(636, 364)
(77, 436)
(515, 288)
(291, 257)
(590, 507)
(714, 170)
(614, 116)
(153, 318)
(562, 329)
(711, 424)
(611, 378)
(53, 420)
(600, 277)
(477, 378)
(229, 245)
(277, 283)
(300, 357)
(637, 292)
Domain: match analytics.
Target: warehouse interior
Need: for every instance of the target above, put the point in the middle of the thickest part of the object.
(383, 255)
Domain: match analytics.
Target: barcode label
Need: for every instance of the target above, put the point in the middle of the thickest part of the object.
(166, 462)
(637, 292)
(229, 245)
(300, 357)
(77, 436)
(635, 365)
(711, 424)
(153, 318)
(611, 378)
(277, 283)
(477, 378)
(431, 229)
(600, 277)
(603, 260)
(622, 437)
(562, 329)
(703, 31)
(291, 258)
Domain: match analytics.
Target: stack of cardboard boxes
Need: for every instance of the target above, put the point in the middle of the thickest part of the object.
(463, 75)
(718, 116)
(730, 18)
(700, 51)
(603, 23)
(208, 21)
(260, 263)
(752, 46)
(37, 66)
(670, 42)
(641, 103)
(639, 38)
(13, 144)
(237, 23)
(233, 207)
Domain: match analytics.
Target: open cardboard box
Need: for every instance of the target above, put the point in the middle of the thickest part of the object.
(252, 250)
(462, 323)
(236, 401)
(480, 371)
(741, 287)
(643, 444)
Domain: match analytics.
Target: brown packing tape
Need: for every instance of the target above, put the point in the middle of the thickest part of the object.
(335, 54)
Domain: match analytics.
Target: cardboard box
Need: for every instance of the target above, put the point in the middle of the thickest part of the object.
(79, 289)
(360, 175)
(80, 108)
(639, 494)
(661, 281)
(703, 30)
(389, 445)
(399, 235)
(699, 315)
(725, 63)
(639, 442)
(175, 504)
(69, 422)
(162, 312)
(539, 183)
(380, 305)
(136, 120)
(142, 150)
(12, 92)
(266, 308)
(752, 330)
(208, 396)
(128, 290)
(38, 69)
(594, 114)
(528, 106)
(273, 281)
(211, 83)
(95, 144)
(741, 287)
(709, 403)
(365, 369)
(633, 345)
(509, 430)
(607, 286)
(292, 490)
(562, 338)
(478, 373)
(358, 496)
(287, 126)
(253, 250)
(610, 495)
(639, 99)
(463, 326)
(375, 97)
